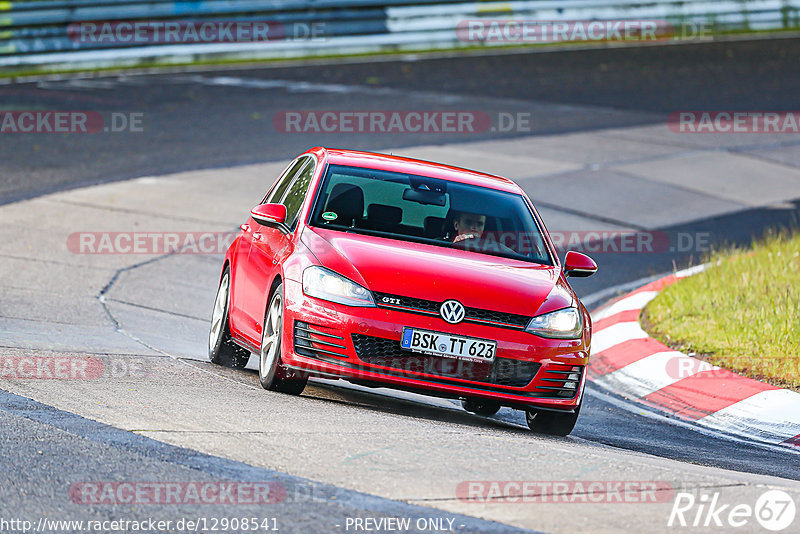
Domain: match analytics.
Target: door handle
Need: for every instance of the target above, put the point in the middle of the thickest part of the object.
(245, 227)
(256, 236)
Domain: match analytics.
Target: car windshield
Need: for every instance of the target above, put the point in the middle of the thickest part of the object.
(429, 210)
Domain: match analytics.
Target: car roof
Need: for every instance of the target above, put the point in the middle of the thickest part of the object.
(356, 158)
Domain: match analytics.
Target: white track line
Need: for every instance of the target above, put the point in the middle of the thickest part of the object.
(639, 379)
(615, 334)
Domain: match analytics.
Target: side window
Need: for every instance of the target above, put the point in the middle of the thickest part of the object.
(296, 194)
(284, 181)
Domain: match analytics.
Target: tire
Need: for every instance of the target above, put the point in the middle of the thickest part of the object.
(486, 408)
(552, 423)
(272, 374)
(221, 348)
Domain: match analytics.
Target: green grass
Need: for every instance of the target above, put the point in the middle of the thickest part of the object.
(742, 314)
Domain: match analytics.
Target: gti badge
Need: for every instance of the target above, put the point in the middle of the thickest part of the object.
(452, 311)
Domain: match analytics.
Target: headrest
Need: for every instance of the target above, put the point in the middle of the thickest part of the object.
(384, 215)
(434, 226)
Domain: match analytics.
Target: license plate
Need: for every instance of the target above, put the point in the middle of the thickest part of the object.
(439, 344)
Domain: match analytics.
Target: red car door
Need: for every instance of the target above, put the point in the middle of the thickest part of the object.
(238, 320)
(262, 266)
(270, 245)
(247, 312)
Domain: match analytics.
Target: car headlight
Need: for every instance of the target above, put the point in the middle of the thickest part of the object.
(325, 284)
(560, 324)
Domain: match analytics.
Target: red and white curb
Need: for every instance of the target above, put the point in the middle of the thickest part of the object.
(628, 362)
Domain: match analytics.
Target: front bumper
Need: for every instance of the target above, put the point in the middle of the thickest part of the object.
(363, 345)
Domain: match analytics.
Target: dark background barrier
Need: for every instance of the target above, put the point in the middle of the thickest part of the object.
(103, 32)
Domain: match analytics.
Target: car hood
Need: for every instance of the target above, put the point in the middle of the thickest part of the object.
(438, 273)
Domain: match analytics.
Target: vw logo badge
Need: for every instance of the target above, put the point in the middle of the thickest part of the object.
(452, 311)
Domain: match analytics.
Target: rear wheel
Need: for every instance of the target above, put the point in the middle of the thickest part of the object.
(272, 373)
(483, 407)
(553, 423)
(221, 348)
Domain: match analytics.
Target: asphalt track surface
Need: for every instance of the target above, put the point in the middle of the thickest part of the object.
(191, 126)
(195, 125)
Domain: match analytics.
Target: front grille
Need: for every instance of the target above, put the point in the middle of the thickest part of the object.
(478, 315)
(386, 300)
(388, 353)
(561, 381)
(431, 307)
(315, 341)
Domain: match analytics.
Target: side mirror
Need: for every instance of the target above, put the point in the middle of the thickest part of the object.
(269, 214)
(579, 265)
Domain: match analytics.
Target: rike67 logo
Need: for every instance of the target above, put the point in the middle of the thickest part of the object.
(774, 510)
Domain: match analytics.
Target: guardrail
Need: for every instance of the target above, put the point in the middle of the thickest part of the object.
(129, 32)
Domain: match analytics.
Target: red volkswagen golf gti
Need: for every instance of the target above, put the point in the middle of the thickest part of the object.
(394, 272)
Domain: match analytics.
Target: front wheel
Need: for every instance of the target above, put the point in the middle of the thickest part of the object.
(221, 348)
(272, 373)
(552, 423)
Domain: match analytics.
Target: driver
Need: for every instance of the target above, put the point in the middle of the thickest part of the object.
(468, 225)
(471, 226)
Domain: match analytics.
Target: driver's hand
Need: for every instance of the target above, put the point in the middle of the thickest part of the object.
(462, 237)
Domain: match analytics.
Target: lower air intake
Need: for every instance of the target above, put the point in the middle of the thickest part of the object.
(387, 353)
